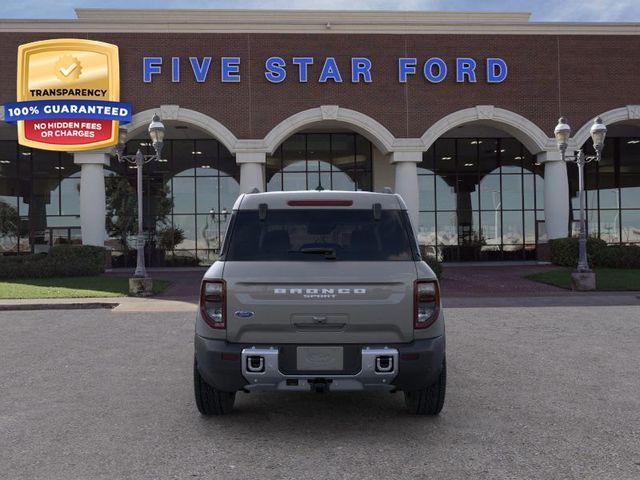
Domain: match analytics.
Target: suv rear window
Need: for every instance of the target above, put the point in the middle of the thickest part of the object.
(319, 235)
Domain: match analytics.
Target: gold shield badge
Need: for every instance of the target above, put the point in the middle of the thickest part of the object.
(59, 81)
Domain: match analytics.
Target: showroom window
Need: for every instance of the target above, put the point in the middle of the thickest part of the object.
(612, 189)
(192, 190)
(480, 199)
(331, 161)
(39, 199)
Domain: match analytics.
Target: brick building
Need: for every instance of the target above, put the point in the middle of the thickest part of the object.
(455, 111)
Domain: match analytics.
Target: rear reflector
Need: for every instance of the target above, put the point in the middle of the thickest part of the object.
(320, 203)
(409, 356)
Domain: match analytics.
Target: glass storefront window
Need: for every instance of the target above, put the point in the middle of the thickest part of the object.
(630, 190)
(609, 226)
(200, 181)
(488, 194)
(70, 195)
(445, 195)
(612, 191)
(512, 192)
(306, 161)
(426, 191)
(630, 224)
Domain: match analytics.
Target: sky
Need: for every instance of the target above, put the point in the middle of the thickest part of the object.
(542, 10)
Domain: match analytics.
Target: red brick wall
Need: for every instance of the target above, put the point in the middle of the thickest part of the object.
(578, 76)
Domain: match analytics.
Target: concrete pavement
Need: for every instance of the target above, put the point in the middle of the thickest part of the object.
(533, 392)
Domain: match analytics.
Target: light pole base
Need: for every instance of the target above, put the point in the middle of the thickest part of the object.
(583, 281)
(141, 286)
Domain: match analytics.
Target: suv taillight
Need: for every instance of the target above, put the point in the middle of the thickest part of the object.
(213, 303)
(426, 303)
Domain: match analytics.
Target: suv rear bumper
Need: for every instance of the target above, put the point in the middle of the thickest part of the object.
(224, 366)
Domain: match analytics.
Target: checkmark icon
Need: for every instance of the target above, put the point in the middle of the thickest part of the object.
(68, 68)
(66, 71)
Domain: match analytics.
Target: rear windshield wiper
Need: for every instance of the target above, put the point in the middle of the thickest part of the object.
(329, 253)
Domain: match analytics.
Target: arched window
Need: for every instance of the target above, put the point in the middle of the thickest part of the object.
(480, 198)
(332, 161)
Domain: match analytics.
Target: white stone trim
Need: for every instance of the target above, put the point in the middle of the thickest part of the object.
(101, 157)
(310, 21)
(251, 157)
(408, 145)
(532, 136)
(629, 112)
(274, 16)
(358, 122)
(140, 121)
(406, 156)
(549, 156)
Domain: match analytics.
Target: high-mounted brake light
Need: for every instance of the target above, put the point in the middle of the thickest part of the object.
(426, 303)
(213, 303)
(320, 203)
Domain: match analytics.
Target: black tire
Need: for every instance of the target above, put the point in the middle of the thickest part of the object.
(429, 400)
(209, 400)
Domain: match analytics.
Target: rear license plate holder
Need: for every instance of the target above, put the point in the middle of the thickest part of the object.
(320, 358)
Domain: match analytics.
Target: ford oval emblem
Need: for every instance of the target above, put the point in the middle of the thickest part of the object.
(243, 314)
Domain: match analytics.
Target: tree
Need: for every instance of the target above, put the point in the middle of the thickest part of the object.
(9, 221)
(169, 237)
(122, 208)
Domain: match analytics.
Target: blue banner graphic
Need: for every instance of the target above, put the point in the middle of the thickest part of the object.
(67, 109)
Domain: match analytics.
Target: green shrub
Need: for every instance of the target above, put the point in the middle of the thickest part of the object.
(618, 256)
(564, 252)
(181, 261)
(61, 261)
(169, 238)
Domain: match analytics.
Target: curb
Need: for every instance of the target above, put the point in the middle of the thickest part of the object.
(57, 306)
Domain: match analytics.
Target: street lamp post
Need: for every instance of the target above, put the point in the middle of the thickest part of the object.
(156, 133)
(583, 278)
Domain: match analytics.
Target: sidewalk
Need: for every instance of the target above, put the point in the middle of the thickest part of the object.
(463, 286)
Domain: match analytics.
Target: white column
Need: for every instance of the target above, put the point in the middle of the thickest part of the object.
(406, 169)
(93, 208)
(556, 195)
(251, 170)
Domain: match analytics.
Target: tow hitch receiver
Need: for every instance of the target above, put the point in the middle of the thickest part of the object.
(320, 385)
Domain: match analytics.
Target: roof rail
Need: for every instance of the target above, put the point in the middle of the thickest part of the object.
(387, 190)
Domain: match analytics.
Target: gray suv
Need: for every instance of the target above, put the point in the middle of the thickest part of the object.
(319, 291)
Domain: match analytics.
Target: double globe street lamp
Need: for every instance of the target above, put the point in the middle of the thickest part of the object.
(141, 284)
(583, 278)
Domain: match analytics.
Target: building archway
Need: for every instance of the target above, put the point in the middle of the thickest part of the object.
(629, 113)
(521, 128)
(612, 186)
(328, 115)
(176, 114)
(481, 187)
(198, 177)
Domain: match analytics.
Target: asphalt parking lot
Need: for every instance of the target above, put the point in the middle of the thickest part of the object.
(547, 392)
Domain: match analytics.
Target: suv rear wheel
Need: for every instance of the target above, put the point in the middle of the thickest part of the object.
(429, 400)
(209, 400)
